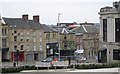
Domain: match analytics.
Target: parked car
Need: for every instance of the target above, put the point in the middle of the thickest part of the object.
(49, 59)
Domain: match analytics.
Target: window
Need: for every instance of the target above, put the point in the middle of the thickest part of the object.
(54, 35)
(117, 29)
(15, 38)
(15, 32)
(27, 39)
(40, 34)
(34, 34)
(48, 46)
(65, 37)
(34, 39)
(28, 47)
(21, 40)
(78, 39)
(27, 33)
(22, 47)
(41, 47)
(15, 47)
(36, 56)
(116, 54)
(65, 45)
(21, 34)
(4, 31)
(28, 36)
(48, 36)
(4, 42)
(40, 39)
(34, 48)
(104, 29)
(89, 53)
(21, 37)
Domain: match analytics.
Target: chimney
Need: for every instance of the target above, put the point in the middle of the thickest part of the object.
(25, 16)
(36, 18)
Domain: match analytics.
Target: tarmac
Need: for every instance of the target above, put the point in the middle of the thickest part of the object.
(76, 70)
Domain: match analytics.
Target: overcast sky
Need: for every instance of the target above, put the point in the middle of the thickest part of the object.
(72, 10)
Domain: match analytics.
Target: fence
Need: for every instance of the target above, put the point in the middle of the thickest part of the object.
(43, 64)
(60, 63)
(54, 64)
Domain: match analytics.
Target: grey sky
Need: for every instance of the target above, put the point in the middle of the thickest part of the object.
(72, 10)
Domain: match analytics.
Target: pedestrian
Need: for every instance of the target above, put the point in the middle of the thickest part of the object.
(14, 64)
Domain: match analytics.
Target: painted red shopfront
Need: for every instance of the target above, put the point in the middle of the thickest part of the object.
(20, 56)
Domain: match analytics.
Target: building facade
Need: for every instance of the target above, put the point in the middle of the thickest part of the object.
(67, 39)
(24, 39)
(4, 40)
(50, 41)
(110, 33)
(87, 38)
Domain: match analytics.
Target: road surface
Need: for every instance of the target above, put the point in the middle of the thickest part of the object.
(71, 71)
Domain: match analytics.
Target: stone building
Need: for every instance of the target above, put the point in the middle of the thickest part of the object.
(87, 38)
(110, 33)
(24, 38)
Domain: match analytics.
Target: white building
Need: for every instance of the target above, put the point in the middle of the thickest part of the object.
(110, 33)
(0, 37)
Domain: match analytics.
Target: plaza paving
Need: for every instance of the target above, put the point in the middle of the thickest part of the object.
(76, 70)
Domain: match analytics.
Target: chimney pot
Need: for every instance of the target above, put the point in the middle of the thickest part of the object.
(25, 16)
(36, 18)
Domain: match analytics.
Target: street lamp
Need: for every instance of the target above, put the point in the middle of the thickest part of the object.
(59, 34)
(13, 27)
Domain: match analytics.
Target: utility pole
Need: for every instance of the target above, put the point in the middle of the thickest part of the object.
(59, 35)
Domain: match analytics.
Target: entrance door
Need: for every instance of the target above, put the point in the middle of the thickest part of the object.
(102, 56)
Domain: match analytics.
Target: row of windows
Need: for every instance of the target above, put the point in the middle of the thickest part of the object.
(28, 39)
(4, 42)
(22, 34)
(117, 29)
(28, 47)
(104, 29)
(4, 32)
(48, 36)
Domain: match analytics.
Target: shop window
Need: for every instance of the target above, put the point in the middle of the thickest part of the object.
(116, 54)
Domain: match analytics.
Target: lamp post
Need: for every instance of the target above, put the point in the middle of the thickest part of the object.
(13, 29)
(59, 35)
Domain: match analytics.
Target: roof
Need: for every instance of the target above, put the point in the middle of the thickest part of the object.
(48, 28)
(35, 24)
(86, 29)
(64, 31)
(21, 23)
(91, 29)
(78, 30)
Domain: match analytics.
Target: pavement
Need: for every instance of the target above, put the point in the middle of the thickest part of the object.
(75, 70)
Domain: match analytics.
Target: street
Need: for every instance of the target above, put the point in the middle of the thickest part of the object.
(66, 73)
(71, 71)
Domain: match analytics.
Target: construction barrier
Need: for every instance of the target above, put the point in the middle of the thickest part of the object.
(43, 64)
(60, 63)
